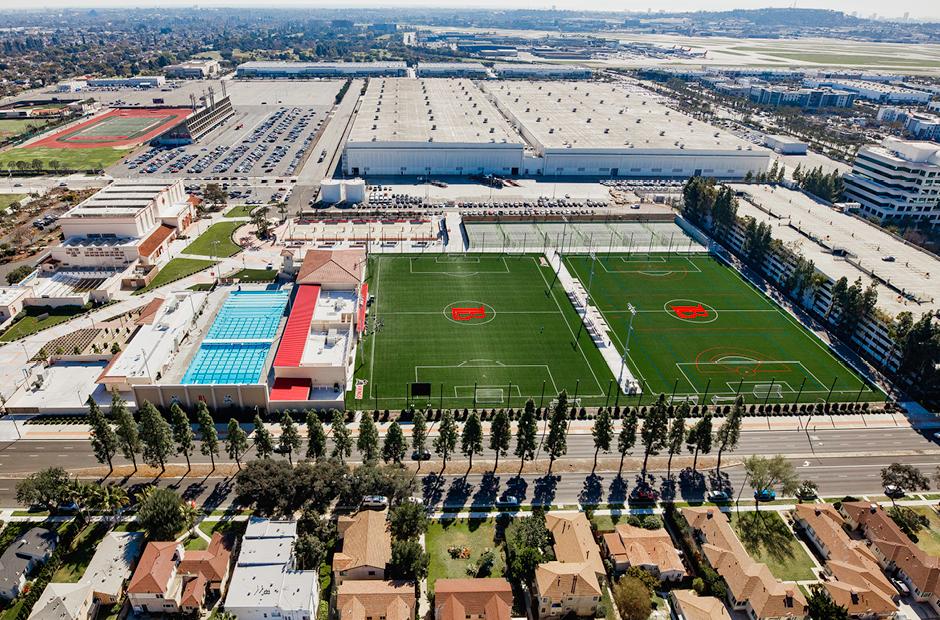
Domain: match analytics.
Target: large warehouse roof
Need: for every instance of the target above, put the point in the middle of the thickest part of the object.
(429, 110)
(562, 115)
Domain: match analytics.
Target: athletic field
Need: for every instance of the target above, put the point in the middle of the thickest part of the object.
(465, 330)
(701, 331)
(117, 128)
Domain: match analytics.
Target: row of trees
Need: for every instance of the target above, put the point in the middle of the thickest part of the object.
(709, 206)
(829, 186)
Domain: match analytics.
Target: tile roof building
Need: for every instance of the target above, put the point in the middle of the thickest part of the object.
(367, 546)
(919, 570)
(651, 550)
(856, 581)
(690, 606)
(483, 599)
(564, 588)
(752, 588)
(332, 269)
(574, 540)
(364, 600)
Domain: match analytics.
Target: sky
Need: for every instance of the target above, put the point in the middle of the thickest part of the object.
(865, 8)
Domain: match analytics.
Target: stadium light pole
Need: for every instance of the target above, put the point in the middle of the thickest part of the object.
(626, 346)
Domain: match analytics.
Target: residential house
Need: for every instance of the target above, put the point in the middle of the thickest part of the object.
(367, 546)
(265, 582)
(752, 588)
(171, 580)
(375, 600)
(687, 605)
(101, 584)
(22, 557)
(895, 552)
(565, 588)
(651, 550)
(479, 599)
(855, 578)
(573, 540)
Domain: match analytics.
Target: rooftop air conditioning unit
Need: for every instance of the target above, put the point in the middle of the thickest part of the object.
(689, 123)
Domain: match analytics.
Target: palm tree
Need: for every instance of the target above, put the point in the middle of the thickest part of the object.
(85, 496)
(113, 500)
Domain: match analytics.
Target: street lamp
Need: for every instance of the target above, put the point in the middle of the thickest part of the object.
(626, 346)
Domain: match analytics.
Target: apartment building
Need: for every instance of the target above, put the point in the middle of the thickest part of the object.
(371, 600)
(572, 584)
(367, 547)
(483, 599)
(651, 550)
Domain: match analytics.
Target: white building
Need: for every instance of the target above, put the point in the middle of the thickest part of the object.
(430, 126)
(452, 69)
(884, 93)
(12, 299)
(541, 71)
(125, 222)
(276, 69)
(194, 69)
(605, 130)
(897, 180)
(139, 81)
(265, 583)
(785, 145)
(923, 126)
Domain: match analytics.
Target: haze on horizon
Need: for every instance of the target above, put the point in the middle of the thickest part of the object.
(917, 9)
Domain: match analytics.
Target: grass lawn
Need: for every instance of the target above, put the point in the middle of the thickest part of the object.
(475, 534)
(928, 538)
(95, 158)
(700, 323)
(77, 558)
(255, 275)
(216, 241)
(8, 199)
(196, 543)
(32, 323)
(176, 269)
(768, 539)
(16, 126)
(226, 528)
(482, 330)
(240, 211)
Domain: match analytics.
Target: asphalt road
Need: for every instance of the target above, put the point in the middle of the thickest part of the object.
(840, 461)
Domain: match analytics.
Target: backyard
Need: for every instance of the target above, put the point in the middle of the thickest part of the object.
(928, 538)
(769, 540)
(473, 535)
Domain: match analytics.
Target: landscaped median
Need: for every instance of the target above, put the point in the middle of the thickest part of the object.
(176, 269)
(38, 318)
(216, 241)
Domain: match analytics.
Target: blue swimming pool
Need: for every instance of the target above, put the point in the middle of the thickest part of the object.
(239, 339)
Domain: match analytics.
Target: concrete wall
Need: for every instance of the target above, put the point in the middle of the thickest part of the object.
(415, 158)
(217, 397)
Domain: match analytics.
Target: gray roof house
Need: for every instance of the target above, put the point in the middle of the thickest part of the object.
(25, 553)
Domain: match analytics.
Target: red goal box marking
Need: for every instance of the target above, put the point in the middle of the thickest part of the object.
(468, 314)
(690, 312)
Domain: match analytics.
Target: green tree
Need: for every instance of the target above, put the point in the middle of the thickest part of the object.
(528, 544)
(408, 520)
(409, 561)
(556, 443)
(700, 438)
(163, 515)
(676, 434)
(289, 441)
(910, 521)
(500, 435)
(471, 439)
(729, 433)
(310, 552)
(526, 434)
(905, 477)
(603, 433)
(419, 434)
(47, 487)
(446, 441)
(236, 442)
(104, 442)
(771, 474)
(632, 599)
(394, 446)
(342, 442)
(820, 607)
(316, 436)
(264, 445)
(627, 437)
(182, 432)
(368, 441)
(127, 434)
(156, 436)
(654, 430)
(209, 437)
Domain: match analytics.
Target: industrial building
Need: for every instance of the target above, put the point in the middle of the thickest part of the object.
(194, 69)
(452, 69)
(139, 81)
(785, 145)
(430, 126)
(884, 93)
(594, 129)
(806, 98)
(511, 71)
(203, 120)
(897, 180)
(273, 69)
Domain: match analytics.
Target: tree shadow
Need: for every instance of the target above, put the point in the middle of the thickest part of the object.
(544, 493)
(692, 484)
(667, 489)
(617, 494)
(457, 494)
(719, 481)
(432, 487)
(518, 487)
(591, 490)
(487, 491)
(765, 532)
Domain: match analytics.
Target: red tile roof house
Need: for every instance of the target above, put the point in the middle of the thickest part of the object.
(895, 552)
(480, 599)
(752, 588)
(651, 550)
(171, 580)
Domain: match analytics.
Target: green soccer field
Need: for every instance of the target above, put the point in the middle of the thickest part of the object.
(480, 330)
(704, 332)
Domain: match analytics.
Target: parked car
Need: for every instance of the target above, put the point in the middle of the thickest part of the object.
(765, 495)
(423, 455)
(509, 501)
(374, 502)
(894, 491)
(643, 494)
(718, 496)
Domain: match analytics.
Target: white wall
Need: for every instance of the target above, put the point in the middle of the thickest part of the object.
(411, 159)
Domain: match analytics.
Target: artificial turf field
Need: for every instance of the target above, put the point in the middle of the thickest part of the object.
(703, 331)
(523, 337)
